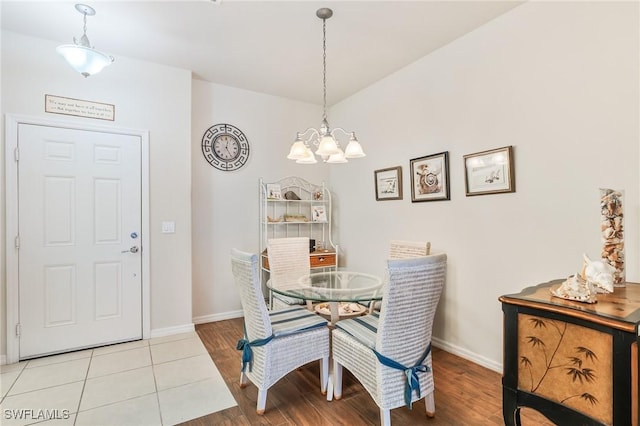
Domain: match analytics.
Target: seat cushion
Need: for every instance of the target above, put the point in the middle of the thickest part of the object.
(293, 319)
(363, 328)
(286, 300)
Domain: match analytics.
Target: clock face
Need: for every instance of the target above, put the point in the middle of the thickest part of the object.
(225, 147)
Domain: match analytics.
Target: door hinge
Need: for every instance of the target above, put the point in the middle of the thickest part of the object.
(16, 154)
(18, 330)
(17, 242)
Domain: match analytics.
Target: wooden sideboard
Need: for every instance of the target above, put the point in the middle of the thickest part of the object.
(575, 363)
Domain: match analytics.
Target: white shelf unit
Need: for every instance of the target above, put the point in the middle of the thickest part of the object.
(273, 223)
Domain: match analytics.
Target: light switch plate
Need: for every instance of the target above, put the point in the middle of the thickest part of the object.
(168, 227)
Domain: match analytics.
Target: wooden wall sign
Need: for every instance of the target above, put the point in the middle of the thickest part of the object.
(79, 108)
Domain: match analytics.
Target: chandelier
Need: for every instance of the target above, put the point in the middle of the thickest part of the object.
(80, 55)
(325, 137)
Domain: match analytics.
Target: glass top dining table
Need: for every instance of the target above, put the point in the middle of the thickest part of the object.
(332, 287)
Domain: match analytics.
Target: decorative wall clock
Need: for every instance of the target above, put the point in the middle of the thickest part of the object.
(225, 147)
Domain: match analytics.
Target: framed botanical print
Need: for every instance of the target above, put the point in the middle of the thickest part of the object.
(430, 178)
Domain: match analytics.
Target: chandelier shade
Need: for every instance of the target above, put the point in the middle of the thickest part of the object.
(298, 150)
(81, 56)
(354, 149)
(324, 138)
(307, 158)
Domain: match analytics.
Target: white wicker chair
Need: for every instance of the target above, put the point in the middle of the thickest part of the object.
(287, 257)
(277, 342)
(402, 332)
(403, 250)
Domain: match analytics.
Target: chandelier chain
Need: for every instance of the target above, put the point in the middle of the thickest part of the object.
(324, 68)
(84, 27)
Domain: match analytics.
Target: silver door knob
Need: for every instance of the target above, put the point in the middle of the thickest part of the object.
(133, 249)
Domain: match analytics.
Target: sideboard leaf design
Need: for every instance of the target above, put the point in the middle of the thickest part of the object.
(566, 363)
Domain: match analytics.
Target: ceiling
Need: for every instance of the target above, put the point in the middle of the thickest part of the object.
(272, 47)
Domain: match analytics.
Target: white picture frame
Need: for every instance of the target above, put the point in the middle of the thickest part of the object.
(318, 213)
(274, 192)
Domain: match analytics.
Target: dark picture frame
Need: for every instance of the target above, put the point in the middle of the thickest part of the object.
(430, 178)
(388, 183)
(490, 172)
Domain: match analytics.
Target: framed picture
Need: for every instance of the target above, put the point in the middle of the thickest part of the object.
(273, 191)
(430, 178)
(318, 213)
(388, 183)
(490, 172)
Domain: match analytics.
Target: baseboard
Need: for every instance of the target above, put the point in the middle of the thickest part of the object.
(464, 353)
(218, 317)
(3, 359)
(168, 331)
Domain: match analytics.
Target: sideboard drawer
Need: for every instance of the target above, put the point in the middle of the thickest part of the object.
(323, 259)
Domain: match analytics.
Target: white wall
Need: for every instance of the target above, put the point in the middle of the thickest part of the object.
(559, 82)
(225, 204)
(146, 96)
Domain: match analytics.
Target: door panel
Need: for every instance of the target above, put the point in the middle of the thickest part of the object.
(79, 203)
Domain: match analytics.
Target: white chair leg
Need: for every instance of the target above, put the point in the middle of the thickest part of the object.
(430, 403)
(324, 374)
(385, 417)
(337, 380)
(262, 401)
(243, 380)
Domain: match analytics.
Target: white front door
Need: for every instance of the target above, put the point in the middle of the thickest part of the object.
(79, 221)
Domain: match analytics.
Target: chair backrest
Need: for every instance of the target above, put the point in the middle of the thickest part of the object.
(246, 276)
(406, 249)
(409, 305)
(288, 257)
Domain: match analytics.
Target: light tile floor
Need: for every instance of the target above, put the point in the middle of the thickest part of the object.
(161, 381)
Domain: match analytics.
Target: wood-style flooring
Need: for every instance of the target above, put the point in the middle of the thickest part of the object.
(466, 393)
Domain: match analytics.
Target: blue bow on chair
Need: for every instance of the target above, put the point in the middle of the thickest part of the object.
(413, 381)
(245, 345)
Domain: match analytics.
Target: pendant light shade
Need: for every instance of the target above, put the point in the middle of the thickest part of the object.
(81, 56)
(324, 137)
(308, 157)
(354, 149)
(327, 146)
(337, 158)
(298, 150)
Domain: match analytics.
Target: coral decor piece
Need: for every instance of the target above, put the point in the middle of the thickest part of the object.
(612, 228)
(596, 276)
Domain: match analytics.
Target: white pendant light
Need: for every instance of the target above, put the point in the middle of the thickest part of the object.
(324, 138)
(81, 55)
